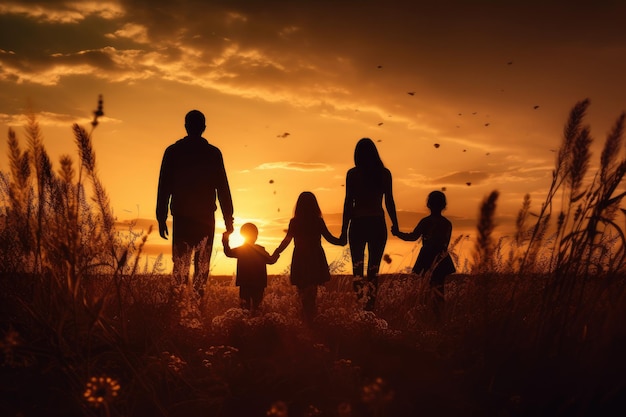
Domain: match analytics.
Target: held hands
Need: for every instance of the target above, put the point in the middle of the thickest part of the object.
(274, 257)
(343, 238)
(225, 236)
(229, 226)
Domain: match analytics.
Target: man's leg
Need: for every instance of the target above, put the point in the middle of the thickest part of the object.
(181, 252)
(202, 256)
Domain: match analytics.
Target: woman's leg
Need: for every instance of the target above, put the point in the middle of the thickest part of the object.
(376, 242)
(370, 231)
(357, 240)
(377, 239)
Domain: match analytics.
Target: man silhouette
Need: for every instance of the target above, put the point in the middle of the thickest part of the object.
(192, 175)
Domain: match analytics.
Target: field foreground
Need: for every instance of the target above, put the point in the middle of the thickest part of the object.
(122, 346)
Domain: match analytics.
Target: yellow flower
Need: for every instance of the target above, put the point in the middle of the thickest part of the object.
(101, 390)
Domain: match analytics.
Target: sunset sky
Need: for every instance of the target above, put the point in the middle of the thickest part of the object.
(289, 87)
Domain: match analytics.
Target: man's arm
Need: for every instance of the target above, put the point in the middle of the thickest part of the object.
(224, 196)
(164, 192)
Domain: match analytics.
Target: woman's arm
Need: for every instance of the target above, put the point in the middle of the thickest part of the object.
(412, 236)
(348, 205)
(390, 204)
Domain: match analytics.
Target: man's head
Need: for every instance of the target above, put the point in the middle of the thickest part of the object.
(195, 123)
(249, 232)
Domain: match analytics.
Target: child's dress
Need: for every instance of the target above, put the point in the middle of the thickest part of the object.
(309, 265)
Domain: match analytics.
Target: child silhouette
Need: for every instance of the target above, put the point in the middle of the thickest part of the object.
(433, 260)
(309, 267)
(251, 266)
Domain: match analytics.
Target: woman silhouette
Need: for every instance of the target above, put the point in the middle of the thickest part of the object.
(367, 183)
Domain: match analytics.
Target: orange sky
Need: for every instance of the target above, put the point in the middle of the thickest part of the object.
(327, 73)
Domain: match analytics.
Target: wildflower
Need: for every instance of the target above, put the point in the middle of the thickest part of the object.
(223, 360)
(101, 390)
(344, 409)
(278, 409)
(175, 363)
(322, 348)
(377, 393)
(312, 411)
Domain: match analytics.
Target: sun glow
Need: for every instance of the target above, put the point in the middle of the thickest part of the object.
(235, 239)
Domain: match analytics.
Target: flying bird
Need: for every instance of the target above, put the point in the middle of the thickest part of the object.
(510, 63)
(411, 93)
(379, 67)
(436, 145)
(486, 124)
(468, 183)
(387, 258)
(283, 135)
(271, 181)
(535, 107)
(380, 124)
(443, 188)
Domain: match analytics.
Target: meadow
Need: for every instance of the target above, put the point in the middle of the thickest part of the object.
(534, 326)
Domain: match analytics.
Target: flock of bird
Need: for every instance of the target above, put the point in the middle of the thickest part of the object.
(436, 145)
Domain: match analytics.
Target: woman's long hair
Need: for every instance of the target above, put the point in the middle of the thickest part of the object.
(367, 161)
(366, 155)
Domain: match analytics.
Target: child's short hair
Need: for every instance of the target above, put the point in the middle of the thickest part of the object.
(249, 232)
(436, 201)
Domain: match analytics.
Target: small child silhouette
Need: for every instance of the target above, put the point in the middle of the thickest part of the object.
(433, 260)
(251, 266)
(309, 267)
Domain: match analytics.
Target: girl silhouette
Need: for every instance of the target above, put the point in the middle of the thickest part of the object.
(309, 267)
(433, 260)
(367, 184)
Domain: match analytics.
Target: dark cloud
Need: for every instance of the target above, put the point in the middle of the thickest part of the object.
(463, 177)
(296, 166)
(332, 56)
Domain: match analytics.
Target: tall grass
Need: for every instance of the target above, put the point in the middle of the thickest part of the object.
(57, 238)
(534, 329)
(564, 273)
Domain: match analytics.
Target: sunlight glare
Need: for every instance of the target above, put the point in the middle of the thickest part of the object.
(235, 239)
